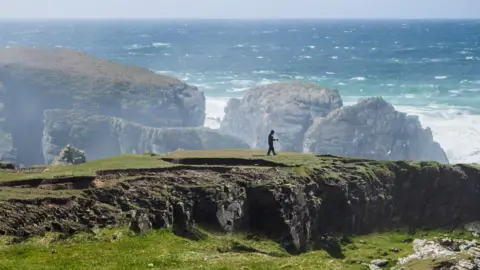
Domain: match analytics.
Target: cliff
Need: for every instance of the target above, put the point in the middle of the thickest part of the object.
(103, 136)
(373, 129)
(312, 119)
(289, 108)
(33, 80)
(294, 199)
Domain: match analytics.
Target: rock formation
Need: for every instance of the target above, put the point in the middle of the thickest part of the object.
(308, 118)
(289, 108)
(70, 155)
(104, 136)
(296, 206)
(372, 129)
(33, 80)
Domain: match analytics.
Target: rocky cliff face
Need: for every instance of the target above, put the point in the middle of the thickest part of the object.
(35, 80)
(289, 108)
(104, 136)
(372, 129)
(295, 206)
(308, 118)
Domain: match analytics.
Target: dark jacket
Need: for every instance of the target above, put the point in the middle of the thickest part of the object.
(270, 139)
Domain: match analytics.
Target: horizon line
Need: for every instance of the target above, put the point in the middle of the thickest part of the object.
(238, 19)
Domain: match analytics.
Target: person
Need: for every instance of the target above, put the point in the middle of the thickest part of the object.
(271, 149)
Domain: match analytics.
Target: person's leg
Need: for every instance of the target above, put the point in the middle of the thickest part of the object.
(273, 150)
(269, 150)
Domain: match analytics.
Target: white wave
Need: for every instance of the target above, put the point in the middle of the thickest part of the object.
(264, 72)
(136, 47)
(334, 57)
(214, 111)
(358, 79)
(434, 60)
(160, 44)
(330, 73)
(311, 47)
(242, 83)
(241, 89)
(454, 128)
(341, 83)
(259, 57)
(441, 77)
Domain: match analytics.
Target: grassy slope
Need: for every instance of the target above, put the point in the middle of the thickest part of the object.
(120, 249)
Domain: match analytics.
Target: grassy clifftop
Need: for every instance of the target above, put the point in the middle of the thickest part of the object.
(229, 209)
(79, 64)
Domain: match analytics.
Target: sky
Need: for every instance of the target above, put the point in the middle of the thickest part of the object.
(239, 9)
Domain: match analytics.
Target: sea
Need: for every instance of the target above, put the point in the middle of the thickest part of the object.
(428, 68)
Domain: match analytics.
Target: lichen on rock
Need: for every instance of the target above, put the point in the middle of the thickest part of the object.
(70, 155)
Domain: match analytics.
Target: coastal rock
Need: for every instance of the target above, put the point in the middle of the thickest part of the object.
(288, 108)
(373, 129)
(70, 156)
(7, 151)
(34, 80)
(299, 209)
(379, 262)
(104, 136)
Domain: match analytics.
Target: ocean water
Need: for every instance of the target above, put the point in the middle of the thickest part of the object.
(425, 68)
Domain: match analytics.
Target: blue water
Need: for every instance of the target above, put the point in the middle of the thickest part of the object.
(427, 68)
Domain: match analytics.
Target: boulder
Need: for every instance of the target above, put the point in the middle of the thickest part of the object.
(288, 108)
(373, 129)
(38, 79)
(70, 155)
(104, 136)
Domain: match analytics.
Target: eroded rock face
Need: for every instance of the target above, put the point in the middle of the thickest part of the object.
(103, 136)
(372, 129)
(298, 211)
(288, 108)
(34, 80)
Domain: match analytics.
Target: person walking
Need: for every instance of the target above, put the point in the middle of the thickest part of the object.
(271, 149)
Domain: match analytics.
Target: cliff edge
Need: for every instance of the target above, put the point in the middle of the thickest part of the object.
(33, 80)
(292, 199)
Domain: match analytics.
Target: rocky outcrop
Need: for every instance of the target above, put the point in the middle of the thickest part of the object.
(298, 207)
(104, 136)
(443, 253)
(34, 80)
(288, 108)
(70, 155)
(372, 129)
(308, 118)
(8, 152)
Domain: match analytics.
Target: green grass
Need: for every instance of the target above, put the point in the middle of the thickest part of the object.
(34, 193)
(128, 161)
(132, 161)
(121, 249)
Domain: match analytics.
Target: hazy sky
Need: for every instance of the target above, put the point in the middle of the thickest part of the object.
(239, 9)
